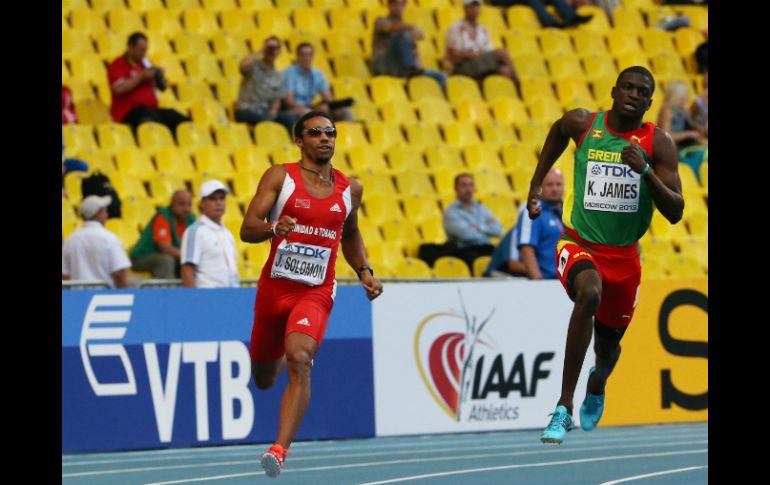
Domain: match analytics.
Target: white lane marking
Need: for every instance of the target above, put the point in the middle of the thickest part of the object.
(664, 472)
(532, 465)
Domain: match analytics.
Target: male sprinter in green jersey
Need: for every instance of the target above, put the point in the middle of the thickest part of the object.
(622, 167)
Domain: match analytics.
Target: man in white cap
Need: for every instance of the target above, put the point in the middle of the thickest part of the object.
(209, 257)
(92, 252)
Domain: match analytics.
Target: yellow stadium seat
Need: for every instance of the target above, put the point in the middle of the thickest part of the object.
(227, 91)
(68, 5)
(127, 233)
(629, 19)
(98, 160)
(686, 266)
(555, 42)
(503, 206)
(88, 21)
(491, 180)
(600, 66)
(143, 6)
(114, 136)
(653, 269)
(696, 247)
(271, 135)
(629, 59)
(423, 135)
(350, 134)
(363, 157)
(434, 110)
(310, 19)
(536, 88)
(385, 135)
(587, 41)
(124, 22)
(255, 5)
(249, 158)
(129, 185)
(655, 41)
(191, 135)
(285, 154)
(473, 109)
(174, 161)
(450, 267)
(382, 256)
(460, 133)
(545, 109)
(403, 157)
(412, 268)
(424, 87)
(88, 67)
(275, 21)
(164, 22)
(245, 186)
(232, 135)
(134, 162)
(668, 66)
(482, 156)
(480, 265)
(565, 67)
(200, 21)
(534, 132)
(327, 4)
(703, 171)
(182, 4)
(365, 112)
(190, 90)
(530, 66)
(344, 87)
(434, 4)
(77, 138)
(519, 155)
(163, 187)
(509, 110)
(413, 183)
(387, 88)
(521, 43)
(496, 86)
(227, 44)
(213, 162)
(420, 207)
(462, 87)
(698, 15)
(663, 229)
(219, 5)
(75, 43)
(623, 42)
(172, 68)
(698, 224)
(208, 112)
(433, 230)
(522, 17)
(341, 42)
(445, 185)
(348, 20)
(81, 90)
(401, 232)
(687, 39)
(377, 183)
(73, 185)
(93, 111)
(189, 44)
(350, 66)
(379, 207)
(446, 16)
(110, 46)
(442, 157)
(203, 67)
(398, 112)
(497, 134)
(602, 87)
(690, 185)
(598, 23)
(570, 88)
(421, 17)
(257, 254)
(139, 210)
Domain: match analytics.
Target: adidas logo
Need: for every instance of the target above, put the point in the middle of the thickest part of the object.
(304, 322)
(335, 208)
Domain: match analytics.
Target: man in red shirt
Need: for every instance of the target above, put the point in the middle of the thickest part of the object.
(133, 80)
(157, 250)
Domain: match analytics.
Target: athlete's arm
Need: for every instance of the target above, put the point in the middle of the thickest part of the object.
(572, 125)
(663, 177)
(353, 244)
(188, 275)
(254, 229)
(530, 262)
(119, 277)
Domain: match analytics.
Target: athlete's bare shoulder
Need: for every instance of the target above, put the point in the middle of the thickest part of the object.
(356, 189)
(575, 122)
(273, 176)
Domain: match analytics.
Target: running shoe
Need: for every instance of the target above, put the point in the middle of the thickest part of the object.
(592, 408)
(561, 422)
(272, 460)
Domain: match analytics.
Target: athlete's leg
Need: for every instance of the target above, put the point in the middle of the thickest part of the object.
(607, 349)
(265, 373)
(300, 350)
(586, 290)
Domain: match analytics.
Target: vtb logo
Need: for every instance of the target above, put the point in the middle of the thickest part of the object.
(445, 359)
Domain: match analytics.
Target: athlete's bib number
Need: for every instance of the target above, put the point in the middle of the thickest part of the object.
(611, 187)
(301, 262)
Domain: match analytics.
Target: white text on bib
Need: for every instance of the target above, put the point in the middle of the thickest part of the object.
(305, 263)
(611, 187)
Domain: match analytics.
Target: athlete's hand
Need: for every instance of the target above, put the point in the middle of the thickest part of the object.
(371, 284)
(632, 156)
(285, 225)
(532, 202)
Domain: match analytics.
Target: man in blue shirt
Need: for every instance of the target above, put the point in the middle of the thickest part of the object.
(469, 224)
(303, 83)
(528, 249)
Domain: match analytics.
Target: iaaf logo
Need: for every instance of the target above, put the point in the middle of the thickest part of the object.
(451, 349)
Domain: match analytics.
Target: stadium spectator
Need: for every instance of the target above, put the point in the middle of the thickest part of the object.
(699, 110)
(157, 250)
(304, 82)
(470, 50)
(209, 257)
(675, 118)
(262, 88)
(133, 80)
(469, 224)
(394, 52)
(528, 249)
(68, 114)
(568, 14)
(92, 252)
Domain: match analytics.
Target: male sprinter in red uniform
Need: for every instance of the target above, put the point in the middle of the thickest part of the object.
(622, 167)
(311, 209)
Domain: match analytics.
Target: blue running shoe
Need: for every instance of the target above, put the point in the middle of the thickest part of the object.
(561, 422)
(592, 408)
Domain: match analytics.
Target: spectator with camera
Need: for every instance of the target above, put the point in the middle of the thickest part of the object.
(133, 80)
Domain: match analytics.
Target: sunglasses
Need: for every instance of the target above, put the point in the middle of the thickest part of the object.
(316, 131)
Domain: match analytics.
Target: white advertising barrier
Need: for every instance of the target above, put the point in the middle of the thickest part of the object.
(471, 356)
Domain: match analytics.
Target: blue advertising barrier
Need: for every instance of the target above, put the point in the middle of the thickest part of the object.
(170, 368)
